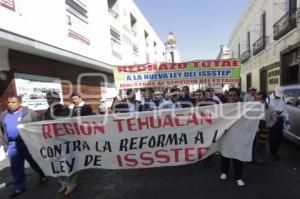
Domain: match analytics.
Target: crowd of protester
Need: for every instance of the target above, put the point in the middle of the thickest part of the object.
(269, 131)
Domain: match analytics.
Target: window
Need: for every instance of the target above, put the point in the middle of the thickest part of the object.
(291, 97)
(263, 25)
(133, 23)
(78, 9)
(147, 58)
(115, 36)
(115, 42)
(249, 81)
(111, 4)
(239, 50)
(113, 8)
(146, 38)
(155, 45)
(135, 49)
(248, 41)
(9, 4)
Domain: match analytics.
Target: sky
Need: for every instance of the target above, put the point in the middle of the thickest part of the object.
(200, 26)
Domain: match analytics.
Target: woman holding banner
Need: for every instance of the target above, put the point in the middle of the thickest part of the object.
(233, 97)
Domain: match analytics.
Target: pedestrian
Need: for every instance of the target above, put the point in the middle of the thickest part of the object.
(210, 97)
(250, 96)
(267, 120)
(199, 98)
(150, 103)
(242, 94)
(143, 92)
(130, 104)
(233, 97)
(56, 110)
(114, 102)
(186, 100)
(277, 102)
(199, 102)
(79, 107)
(17, 150)
(162, 98)
(173, 102)
(102, 108)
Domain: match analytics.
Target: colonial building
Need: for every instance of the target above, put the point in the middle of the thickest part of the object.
(70, 45)
(267, 39)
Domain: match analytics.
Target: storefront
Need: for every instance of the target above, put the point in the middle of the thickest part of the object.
(290, 63)
(32, 76)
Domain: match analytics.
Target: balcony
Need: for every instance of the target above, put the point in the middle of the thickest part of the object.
(284, 25)
(245, 56)
(259, 45)
(133, 32)
(113, 13)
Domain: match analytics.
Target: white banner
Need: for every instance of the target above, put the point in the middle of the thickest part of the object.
(33, 89)
(143, 139)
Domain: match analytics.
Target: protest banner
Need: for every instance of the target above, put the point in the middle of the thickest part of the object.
(142, 139)
(171, 74)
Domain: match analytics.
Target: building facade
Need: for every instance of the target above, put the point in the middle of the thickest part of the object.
(71, 45)
(267, 40)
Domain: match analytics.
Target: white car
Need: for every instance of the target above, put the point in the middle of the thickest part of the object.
(292, 99)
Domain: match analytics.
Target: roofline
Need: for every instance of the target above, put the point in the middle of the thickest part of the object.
(22, 43)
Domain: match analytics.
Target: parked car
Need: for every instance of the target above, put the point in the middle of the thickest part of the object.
(292, 99)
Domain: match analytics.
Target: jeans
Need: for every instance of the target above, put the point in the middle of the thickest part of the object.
(17, 155)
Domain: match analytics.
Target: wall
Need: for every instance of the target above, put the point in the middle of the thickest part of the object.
(29, 64)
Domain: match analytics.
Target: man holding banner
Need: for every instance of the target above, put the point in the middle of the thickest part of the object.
(129, 105)
(57, 111)
(16, 148)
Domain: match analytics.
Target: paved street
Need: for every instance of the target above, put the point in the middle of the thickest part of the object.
(276, 180)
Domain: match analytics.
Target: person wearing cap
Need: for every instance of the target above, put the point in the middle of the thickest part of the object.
(277, 102)
(250, 96)
(173, 102)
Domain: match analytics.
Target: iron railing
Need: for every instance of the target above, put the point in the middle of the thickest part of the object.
(245, 56)
(259, 45)
(284, 25)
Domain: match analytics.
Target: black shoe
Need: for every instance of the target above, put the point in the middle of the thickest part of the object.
(43, 180)
(17, 192)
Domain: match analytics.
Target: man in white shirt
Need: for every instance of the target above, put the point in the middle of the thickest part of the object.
(173, 102)
(277, 102)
